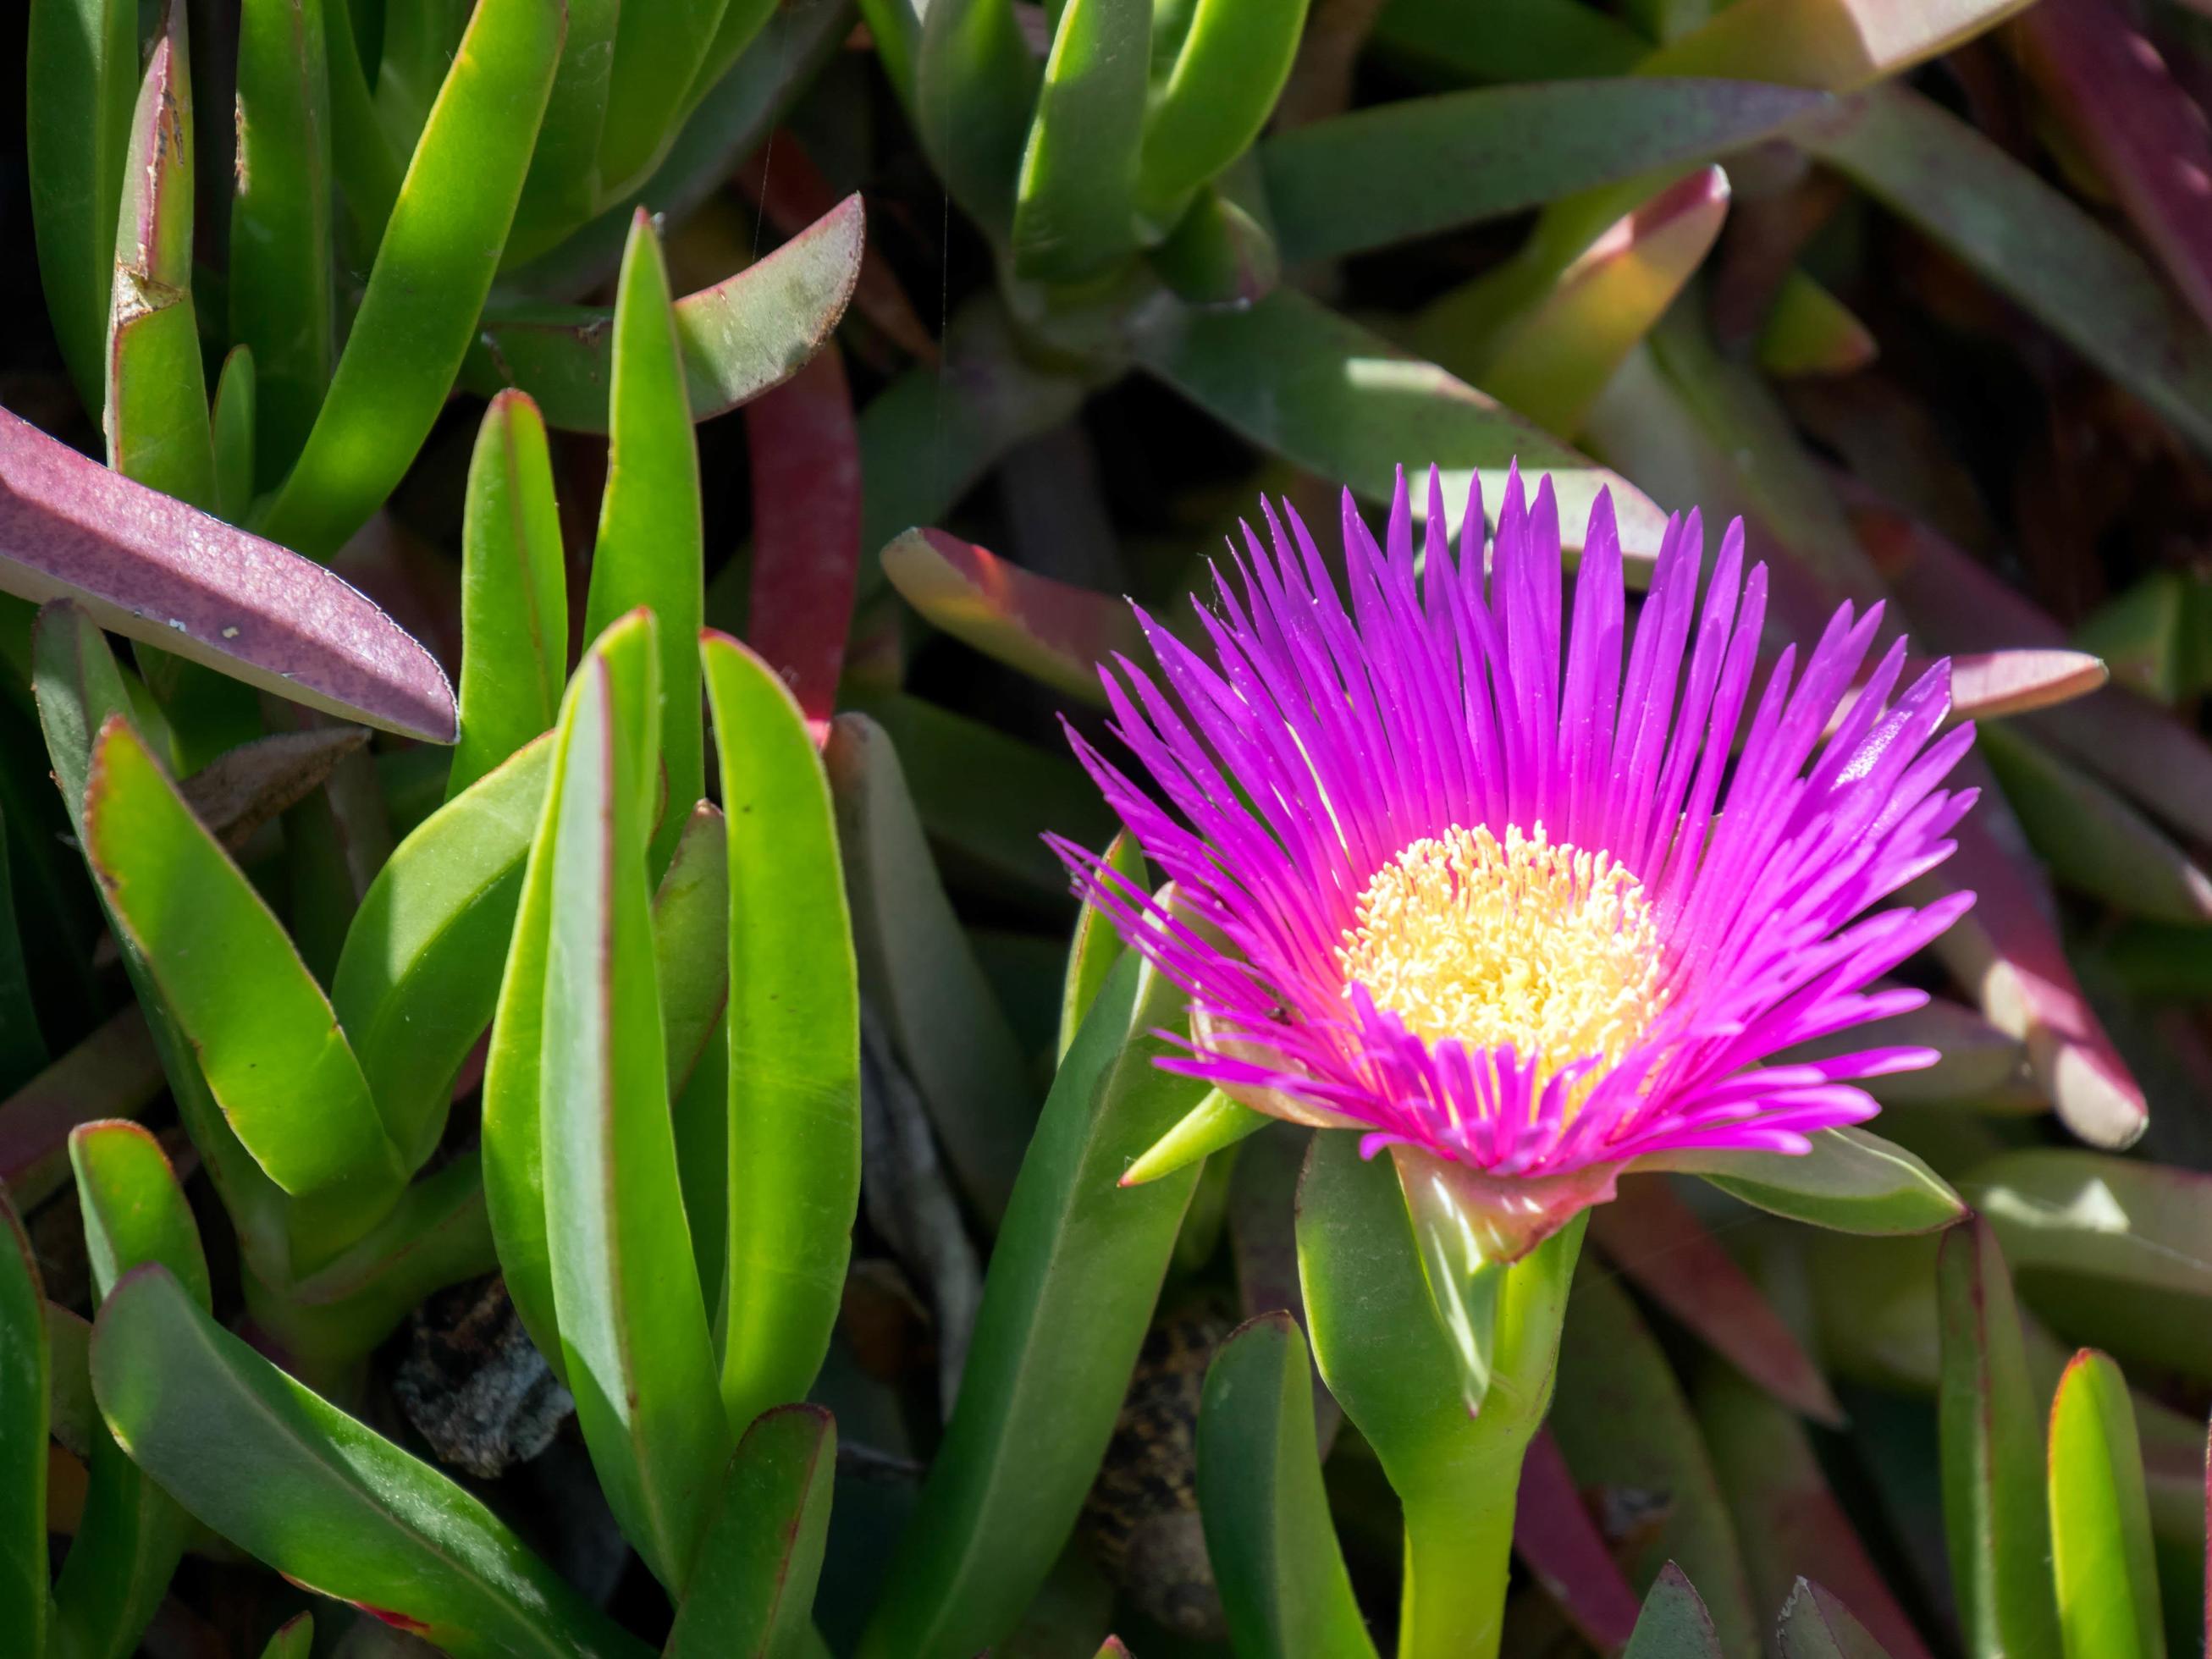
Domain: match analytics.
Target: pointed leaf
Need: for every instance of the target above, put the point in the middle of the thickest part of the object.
(1851, 1180)
(1075, 208)
(1994, 1519)
(1096, 946)
(806, 453)
(332, 1505)
(294, 1638)
(1227, 75)
(1214, 1125)
(418, 978)
(282, 294)
(1073, 1278)
(919, 973)
(794, 1043)
(749, 331)
(1810, 332)
(650, 550)
(156, 570)
(1816, 1626)
(1420, 166)
(157, 418)
(1268, 1532)
(751, 1596)
(1674, 1624)
(1321, 391)
(515, 594)
(626, 1300)
(2101, 1545)
(433, 268)
(269, 1046)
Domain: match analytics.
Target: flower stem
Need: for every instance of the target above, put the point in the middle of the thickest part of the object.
(1459, 1545)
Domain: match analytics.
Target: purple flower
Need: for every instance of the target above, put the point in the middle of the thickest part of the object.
(1487, 886)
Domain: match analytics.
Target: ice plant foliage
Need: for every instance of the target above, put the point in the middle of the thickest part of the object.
(1537, 899)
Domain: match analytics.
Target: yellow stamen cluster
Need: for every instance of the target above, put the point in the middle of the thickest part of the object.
(1539, 944)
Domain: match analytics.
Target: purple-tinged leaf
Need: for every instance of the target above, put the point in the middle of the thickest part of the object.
(781, 180)
(1050, 630)
(1987, 685)
(1557, 1541)
(1659, 1245)
(806, 452)
(243, 788)
(154, 570)
(114, 1072)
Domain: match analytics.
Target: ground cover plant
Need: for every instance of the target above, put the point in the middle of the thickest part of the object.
(1262, 827)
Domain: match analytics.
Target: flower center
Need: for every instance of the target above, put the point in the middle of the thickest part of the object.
(1542, 945)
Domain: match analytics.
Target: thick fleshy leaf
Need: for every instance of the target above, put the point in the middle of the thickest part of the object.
(793, 1180)
(1808, 331)
(1075, 207)
(1814, 1625)
(1051, 630)
(1787, 1520)
(2111, 1251)
(921, 976)
(1838, 45)
(1554, 358)
(1851, 1180)
(564, 186)
(2100, 1544)
(132, 1534)
(1674, 1624)
(1096, 946)
(749, 331)
(418, 979)
(80, 58)
(1214, 101)
(1268, 1534)
(658, 50)
(1389, 1361)
(1223, 251)
(515, 592)
(434, 268)
(805, 449)
(1214, 1125)
(632, 1319)
(691, 933)
(294, 1638)
(751, 1593)
(156, 415)
(1557, 1540)
(268, 1042)
(1322, 392)
(281, 292)
(157, 571)
(24, 1386)
(1994, 1519)
(1660, 1246)
(114, 1072)
(1073, 1277)
(232, 421)
(2093, 840)
(975, 93)
(332, 1505)
(1621, 1417)
(1422, 165)
(650, 550)
(1987, 685)
(2027, 240)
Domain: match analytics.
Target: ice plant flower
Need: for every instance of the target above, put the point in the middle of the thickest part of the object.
(1526, 902)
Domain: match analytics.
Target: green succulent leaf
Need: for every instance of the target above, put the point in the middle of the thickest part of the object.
(1228, 73)
(1674, 1624)
(25, 1388)
(281, 292)
(236, 400)
(754, 1590)
(515, 592)
(1072, 1280)
(658, 50)
(793, 1034)
(1815, 1626)
(1994, 1520)
(1075, 206)
(81, 81)
(434, 267)
(2100, 1541)
(976, 94)
(1851, 1180)
(650, 550)
(334, 1507)
(1097, 944)
(294, 1638)
(565, 187)
(1268, 1534)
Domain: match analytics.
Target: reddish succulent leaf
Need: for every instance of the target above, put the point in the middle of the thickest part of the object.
(1659, 1245)
(151, 568)
(1049, 629)
(2007, 952)
(790, 192)
(2115, 96)
(1557, 1541)
(806, 452)
(1987, 685)
(114, 1072)
(241, 789)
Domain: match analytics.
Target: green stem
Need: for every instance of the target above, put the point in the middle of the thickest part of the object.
(1459, 1547)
